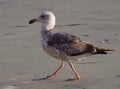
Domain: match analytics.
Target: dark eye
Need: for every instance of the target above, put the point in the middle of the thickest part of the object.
(44, 16)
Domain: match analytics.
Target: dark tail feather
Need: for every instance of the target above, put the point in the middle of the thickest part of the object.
(102, 50)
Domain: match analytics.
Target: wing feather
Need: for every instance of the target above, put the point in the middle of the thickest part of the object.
(70, 44)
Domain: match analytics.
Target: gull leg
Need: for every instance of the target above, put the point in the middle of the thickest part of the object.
(55, 73)
(75, 72)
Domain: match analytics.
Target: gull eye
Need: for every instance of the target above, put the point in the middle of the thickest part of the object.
(44, 16)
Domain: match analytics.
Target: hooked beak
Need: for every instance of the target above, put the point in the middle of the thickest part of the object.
(33, 20)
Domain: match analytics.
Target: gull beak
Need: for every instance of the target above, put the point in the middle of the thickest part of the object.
(33, 21)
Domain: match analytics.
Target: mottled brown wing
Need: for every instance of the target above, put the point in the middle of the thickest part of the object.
(70, 44)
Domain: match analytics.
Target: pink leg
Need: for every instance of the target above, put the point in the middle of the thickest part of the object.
(55, 73)
(75, 72)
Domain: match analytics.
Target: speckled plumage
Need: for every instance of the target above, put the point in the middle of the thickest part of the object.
(63, 46)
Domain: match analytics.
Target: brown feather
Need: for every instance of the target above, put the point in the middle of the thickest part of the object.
(102, 50)
(70, 44)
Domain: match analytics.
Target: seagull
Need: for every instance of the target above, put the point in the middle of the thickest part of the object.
(63, 46)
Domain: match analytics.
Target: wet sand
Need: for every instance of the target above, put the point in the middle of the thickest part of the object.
(22, 58)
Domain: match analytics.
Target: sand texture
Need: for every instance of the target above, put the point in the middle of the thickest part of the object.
(22, 58)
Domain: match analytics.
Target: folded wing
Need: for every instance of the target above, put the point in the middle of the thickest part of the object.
(70, 44)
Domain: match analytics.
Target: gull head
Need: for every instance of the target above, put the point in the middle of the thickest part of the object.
(46, 18)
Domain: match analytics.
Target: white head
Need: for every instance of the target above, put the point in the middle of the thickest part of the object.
(47, 19)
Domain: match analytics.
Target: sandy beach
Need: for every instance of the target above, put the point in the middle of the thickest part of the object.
(22, 58)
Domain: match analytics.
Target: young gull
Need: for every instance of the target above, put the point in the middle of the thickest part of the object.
(63, 46)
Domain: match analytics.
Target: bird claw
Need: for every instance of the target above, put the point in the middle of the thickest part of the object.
(48, 77)
(37, 79)
(73, 79)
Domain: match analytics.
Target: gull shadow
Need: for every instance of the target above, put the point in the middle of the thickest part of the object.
(64, 80)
